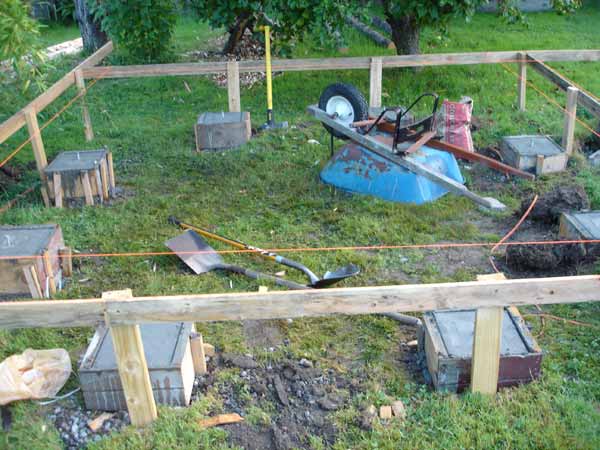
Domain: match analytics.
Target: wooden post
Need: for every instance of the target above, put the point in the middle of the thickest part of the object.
(33, 283)
(487, 336)
(38, 150)
(49, 272)
(111, 173)
(198, 355)
(99, 185)
(233, 86)
(522, 81)
(66, 261)
(376, 74)
(133, 370)
(87, 188)
(104, 179)
(568, 138)
(87, 122)
(58, 191)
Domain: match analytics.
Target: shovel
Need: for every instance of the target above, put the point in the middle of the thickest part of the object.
(202, 258)
(330, 277)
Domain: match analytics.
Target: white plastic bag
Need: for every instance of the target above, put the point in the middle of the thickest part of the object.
(33, 374)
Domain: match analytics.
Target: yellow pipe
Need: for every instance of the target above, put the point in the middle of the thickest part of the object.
(268, 69)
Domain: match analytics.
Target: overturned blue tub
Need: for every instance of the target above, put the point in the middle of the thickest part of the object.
(358, 170)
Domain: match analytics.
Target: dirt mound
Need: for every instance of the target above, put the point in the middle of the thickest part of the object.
(544, 257)
(551, 204)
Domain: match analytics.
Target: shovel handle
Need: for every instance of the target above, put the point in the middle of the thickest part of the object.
(263, 276)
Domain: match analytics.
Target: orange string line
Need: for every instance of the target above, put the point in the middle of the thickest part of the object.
(52, 119)
(517, 225)
(317, 249)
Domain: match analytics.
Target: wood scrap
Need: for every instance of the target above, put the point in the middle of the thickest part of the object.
(220, 419)
(97, 423)
(385, 412)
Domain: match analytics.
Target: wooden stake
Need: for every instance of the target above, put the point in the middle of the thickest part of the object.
(33, 283)
(111, 173)
(99, 185)
(233, 86)
(58, 191)
(198, 355)
(376, 74)
(522, 81)
(87, 122)
(133, 370)
(87, 188)
(66, 261)
(49, 272)
(485, 364)
(39, 152)
(568, 138)
(104, 179)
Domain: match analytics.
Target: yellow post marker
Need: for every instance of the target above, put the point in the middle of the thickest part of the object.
(270, 124)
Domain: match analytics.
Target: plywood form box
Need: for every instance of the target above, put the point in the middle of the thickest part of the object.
(536, 154)
(224, 130)
(582, 225)
(169, 359)
(447, 342)
(30, 277)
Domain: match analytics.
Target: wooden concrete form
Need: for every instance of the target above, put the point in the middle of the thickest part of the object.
(123, 314)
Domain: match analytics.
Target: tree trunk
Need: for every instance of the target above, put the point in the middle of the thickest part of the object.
(93, 37)
(405, 34)
(236, 32)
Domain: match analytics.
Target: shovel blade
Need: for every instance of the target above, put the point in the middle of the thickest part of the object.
(185, 246)
(332, 277)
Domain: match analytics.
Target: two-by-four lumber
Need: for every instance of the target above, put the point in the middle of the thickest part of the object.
(292, 65)
(584, 99)
(233, 86)
(39, 153)
(522, 81)
(133, 369)
(85, 113)
(111, 173)
(87, 188)
(568, 138)
(16, 121)
(487, 336)
(304, 303)
(198, 355)
(58, 190)
(49, 272)
(66, 260)
(375, 82)
(381, 147)
(33, 283)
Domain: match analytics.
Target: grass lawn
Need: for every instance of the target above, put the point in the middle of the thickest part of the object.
(268, 194)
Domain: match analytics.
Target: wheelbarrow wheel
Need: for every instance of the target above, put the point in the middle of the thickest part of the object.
(345, 102)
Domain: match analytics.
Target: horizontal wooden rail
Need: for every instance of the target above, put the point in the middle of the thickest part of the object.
(305, 303)
(15, 122)
(584, 99)
(291, 65)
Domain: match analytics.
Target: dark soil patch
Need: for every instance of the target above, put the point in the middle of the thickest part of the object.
(552, 204)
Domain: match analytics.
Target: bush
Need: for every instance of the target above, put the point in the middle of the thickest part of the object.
(142, 28)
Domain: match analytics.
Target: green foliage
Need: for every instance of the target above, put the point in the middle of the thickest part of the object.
(65, 10)
(20, 41)
(142, 28)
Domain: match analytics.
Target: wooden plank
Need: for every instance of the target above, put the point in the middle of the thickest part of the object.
(85, 113)
(568, 138)
(233, 86)
(424, 139)
(133, 370)
(407, 162)
(302, 303)
(104, 179)
(49, 272)
(39, 152)
(375, 82)
(98, 177)
(58, 190)
(87, 188)
(14, 123)
(478, 157)
(584, 99)
(522, 81)
(198, 355)
(66, 261)
(111, 173)
(487, 337)
(32, 282)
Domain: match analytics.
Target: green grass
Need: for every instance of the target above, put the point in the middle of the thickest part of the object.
(268, 194)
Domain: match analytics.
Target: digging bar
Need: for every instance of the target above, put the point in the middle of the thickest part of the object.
(407, 162)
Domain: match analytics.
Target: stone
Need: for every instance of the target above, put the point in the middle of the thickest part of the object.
(367, 417)
(327, 403)
(305, 363)
(398, 409)
(241, 361)
(280, 391)
(594, 159)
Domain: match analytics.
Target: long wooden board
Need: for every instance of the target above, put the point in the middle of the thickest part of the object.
(584, 99)
(305, 303)
(407, 162)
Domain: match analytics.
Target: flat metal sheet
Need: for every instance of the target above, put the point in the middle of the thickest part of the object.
(587, 223)
(189, 242)
(25, 240)
(533, 145)
(212, 118)
(456, 329)
(76, 161)
(164, 345)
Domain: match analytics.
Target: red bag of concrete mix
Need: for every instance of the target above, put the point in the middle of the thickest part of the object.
(454, 123)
